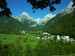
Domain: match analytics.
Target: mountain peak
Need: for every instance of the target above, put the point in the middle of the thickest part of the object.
(68, 9)
(25, 14)
(70, 5)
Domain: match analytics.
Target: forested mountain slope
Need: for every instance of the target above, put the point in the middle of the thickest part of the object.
(10, 25)
(61, 25)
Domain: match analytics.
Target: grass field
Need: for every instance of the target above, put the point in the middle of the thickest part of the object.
(23, 39)
(72, 54)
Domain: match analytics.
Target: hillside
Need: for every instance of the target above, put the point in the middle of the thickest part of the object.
(10, 25)
(62, 25)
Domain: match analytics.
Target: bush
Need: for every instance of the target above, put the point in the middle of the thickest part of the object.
(42, 49)
(73, 47)
(28, 50)
(9, 50)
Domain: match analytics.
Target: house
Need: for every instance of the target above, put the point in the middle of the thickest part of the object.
(23, 32)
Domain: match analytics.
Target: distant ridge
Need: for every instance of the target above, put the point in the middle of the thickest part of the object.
(26, 18)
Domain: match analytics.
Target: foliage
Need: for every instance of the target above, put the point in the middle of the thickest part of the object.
(73, 47)
(36, 4)
(42, 4)
(4, 9)
(52, 47)
(28, 50)
(9, 50)
(42, 48)
(73, 3)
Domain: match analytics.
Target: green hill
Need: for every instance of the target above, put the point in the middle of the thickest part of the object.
(61, 25)
(10, 25)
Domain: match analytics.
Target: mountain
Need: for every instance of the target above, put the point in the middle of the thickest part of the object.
(47, 18)
(29, 21)
(63, 23)
(64, 26)
(26, 20)
(68, 9)
(10, 25)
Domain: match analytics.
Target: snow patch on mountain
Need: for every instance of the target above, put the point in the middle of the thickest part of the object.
(38, 20)
(26, 18)
(45, 19)
(48, 17)
(68, 9)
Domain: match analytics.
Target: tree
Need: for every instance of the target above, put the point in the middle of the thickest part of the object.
(36, 4)
(73, 3)
(4, 9)
(42, 4)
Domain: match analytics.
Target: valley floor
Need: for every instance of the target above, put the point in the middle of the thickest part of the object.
(24, 40)
(72, 54)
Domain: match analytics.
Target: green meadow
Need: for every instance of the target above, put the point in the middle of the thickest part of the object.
(22, 39)
(29, 45)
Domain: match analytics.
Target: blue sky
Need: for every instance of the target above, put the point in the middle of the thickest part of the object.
(19, 6)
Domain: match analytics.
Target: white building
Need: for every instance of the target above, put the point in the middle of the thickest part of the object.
(23, 32)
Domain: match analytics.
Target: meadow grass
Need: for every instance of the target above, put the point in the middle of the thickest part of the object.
(72, 54)
(23, 39)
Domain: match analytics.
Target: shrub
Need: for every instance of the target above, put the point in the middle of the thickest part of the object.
(28, 50)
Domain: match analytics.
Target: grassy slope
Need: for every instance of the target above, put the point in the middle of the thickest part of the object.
(23, 39)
